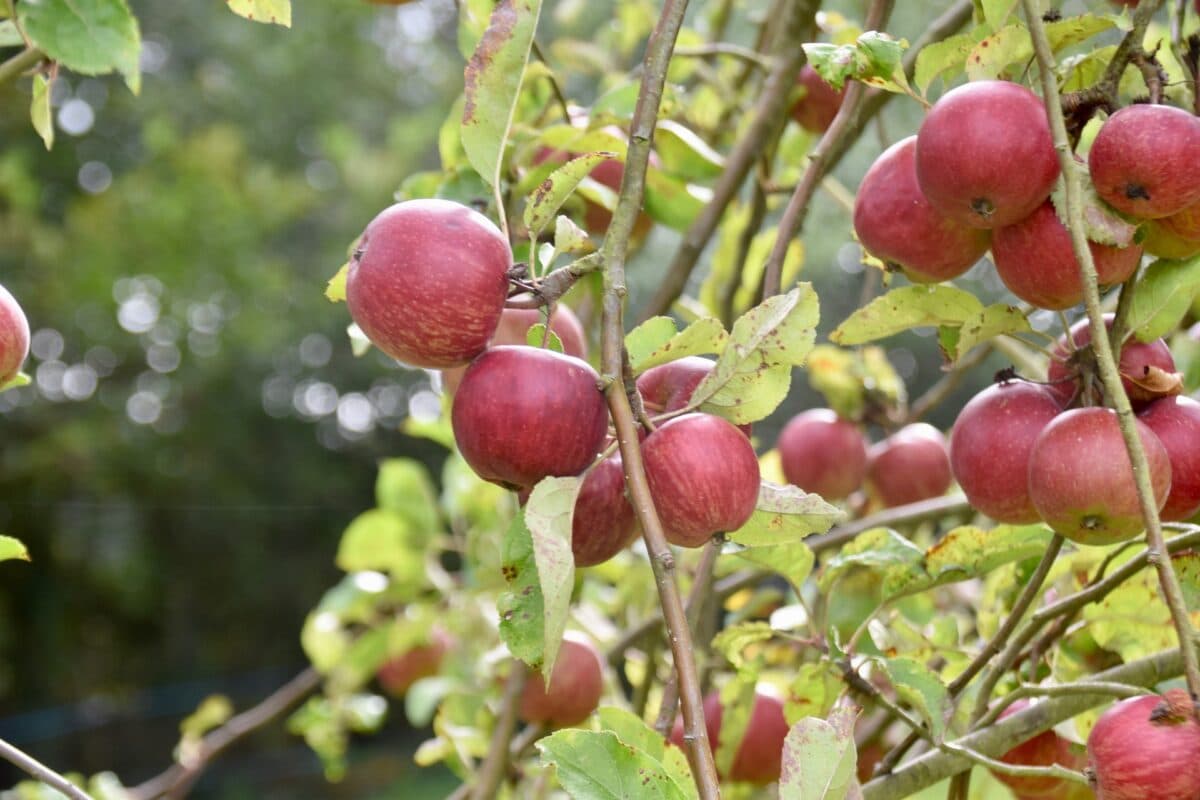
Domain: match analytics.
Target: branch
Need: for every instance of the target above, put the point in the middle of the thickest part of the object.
(1001, 737)
(1172, 592)
(178, 779)
(41, 772)
(495, 765)
(613, 254)
(792, 221)
(14, 67)
(770, 116)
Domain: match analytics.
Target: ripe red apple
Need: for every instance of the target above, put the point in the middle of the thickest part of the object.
(824, 454)
(759, 758)
(1043, 750)
(1143, 161)
(523, 413)
(703, 476)
(604, 523)
(668, 387)
(1176, 423)
(910, 465)
(991, 443)
(1165, 243)
(1036, 261)
(513, 329)
(14, 337)
(985, 156)
(574, 689)
(1081, 482)
(1147, 748)
(422, 661)
(1142, 366)
(896, 223)
(819, 105)
(428, 282)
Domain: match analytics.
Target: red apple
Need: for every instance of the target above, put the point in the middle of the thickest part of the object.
(703, 476)
(604, 523)
(574, 689)
(1043, 750)
(14, 337)
(1143, 161)
(1147, 748)
(1176, 422)
(429, 281)
(910, 465)
(513, 329)
(991, 444)
(759, 758)
(896, 223)
(523, 413)
(668, 387)
(985, 156)
(823, 453)
(1165, 243)
(1037, 263)
(1081, 482)
(422, 661)
(820, 103)
(1143, 366)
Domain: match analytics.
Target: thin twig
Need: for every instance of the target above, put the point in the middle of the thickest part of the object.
(751, 57)
(41, 772)
(1168, 580)
(495, 765)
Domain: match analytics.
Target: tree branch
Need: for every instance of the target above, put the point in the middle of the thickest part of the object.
(1172, 592)
(14, 67)
(41, 772)
(495, 765)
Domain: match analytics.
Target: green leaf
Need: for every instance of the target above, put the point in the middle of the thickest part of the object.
(1011, 45)
(91, 37)
(632, 730)
(569, 238)
(522, 618)
(493, 82)
(276, 12)
(538, 335)
(737, 701)
(40, 113)
(385, 541)
(906, 308)
(671, 201)
(213, 711)
(1101, 224)
(648, 338)
(785, 514)
(11, 548)
(819, 761)
(993, 321)
(9, 35)
(922, 689)
(597, 765)
(547, 198)
(937, 58)
(881, 550)
(855, 380)
(548, 515)
(753, 372)
(1163, 296)
(702, 337)
(792, 560)
(732, 641)
(874, 58)
(813, 691)
(997, 12)
(15, 382)
(684, 153)
(335, 289)
(404, 487)
(473, 18)
(1133, 621)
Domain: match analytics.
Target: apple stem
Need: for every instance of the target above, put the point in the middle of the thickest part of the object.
(792, 221)
(613, 357)
(1168, 580)
(41, 772)
(495, 763)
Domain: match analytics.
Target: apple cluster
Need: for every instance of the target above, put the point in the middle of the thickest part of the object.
(979, 172)
(824, 454)
(14, 337)
(1021, 453)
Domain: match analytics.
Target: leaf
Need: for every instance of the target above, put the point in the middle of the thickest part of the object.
(632, 730)
(874, 58)
(40, 114)
(11, 548)
(737, 702)
(9, 35)
(785, 514)
(684, 153)
(548, 514)
(1012, 45)
(854, 380)
(522, 625)
(569, 238)
(792, 560)
(538, 335)
(648, 337)
(818, 761)
(385, 541)
(993, 321)
(213, 711)
(335, 289)
(1101, 224)
(671, 201)
(880, 550)
(732, 641)
(918, 686)
(403, 486)
(91, 37)
(906, 308)
(596, 765)
(753, 373)
(704, 336)
(997, 12)
(1163, 297)
(493, 82)
(937, 58)
(548, 197)
(813, 691)
(276, 12)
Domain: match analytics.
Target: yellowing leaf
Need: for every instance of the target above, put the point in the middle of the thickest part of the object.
(277, 12)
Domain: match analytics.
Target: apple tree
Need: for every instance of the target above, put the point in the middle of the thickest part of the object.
(618, 585)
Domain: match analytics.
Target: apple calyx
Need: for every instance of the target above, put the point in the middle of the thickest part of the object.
(1176, 708)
